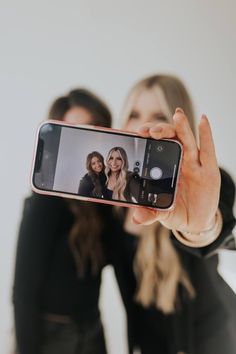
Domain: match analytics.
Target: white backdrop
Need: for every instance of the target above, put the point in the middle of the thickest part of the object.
(49, 47)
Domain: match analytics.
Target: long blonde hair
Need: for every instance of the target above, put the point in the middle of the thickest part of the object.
(157, 265)
(121, 181)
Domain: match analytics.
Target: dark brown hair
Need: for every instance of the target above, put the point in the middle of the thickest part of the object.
(82, 98)
(97, 191)
(85, 234)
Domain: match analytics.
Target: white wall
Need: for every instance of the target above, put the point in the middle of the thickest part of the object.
(49, 47)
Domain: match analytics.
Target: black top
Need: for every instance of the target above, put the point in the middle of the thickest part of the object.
(213, 308)
(87, 185)
(46, 279)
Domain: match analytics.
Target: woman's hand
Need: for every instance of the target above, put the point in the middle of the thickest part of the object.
(199, 183)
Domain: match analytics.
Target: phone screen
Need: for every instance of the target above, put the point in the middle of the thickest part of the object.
(106, 165)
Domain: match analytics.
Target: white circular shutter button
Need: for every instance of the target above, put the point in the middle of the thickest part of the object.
(156, 173)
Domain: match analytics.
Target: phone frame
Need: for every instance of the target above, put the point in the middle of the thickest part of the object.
(102, 201)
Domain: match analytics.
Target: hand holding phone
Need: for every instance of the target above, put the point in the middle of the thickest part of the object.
(199, 188)
(106, 166)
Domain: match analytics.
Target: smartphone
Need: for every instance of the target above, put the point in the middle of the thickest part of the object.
(105, 165)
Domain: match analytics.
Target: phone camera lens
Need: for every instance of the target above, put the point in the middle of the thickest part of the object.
(137, 163)
(160, 148)
(136, 170)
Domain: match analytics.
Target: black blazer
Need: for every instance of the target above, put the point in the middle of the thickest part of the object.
(86, 186)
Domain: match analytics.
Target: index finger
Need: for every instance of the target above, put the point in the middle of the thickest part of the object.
(157, 131)
(185, 135)
(146, 216)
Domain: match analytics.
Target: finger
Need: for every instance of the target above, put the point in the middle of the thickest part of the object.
(144, 129)
(145, 216)
(185, 135)
(157, 131)
(163, 130)
(207, 148)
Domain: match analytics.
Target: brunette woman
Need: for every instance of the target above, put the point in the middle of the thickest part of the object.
(60, 256)
(93, 183)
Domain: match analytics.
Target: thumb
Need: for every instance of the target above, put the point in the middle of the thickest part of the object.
(145, 216)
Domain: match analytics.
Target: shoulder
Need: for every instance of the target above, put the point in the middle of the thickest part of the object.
(86, 179)
(42, 209)
(41, 202)
(43, 219)
(85, 184)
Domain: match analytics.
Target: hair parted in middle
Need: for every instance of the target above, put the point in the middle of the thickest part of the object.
(170, 92)
(121, 182)
(97, 191)
(158, 267)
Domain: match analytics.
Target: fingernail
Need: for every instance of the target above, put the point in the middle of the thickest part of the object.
(179, 110)
(204, 119)
(156, 129)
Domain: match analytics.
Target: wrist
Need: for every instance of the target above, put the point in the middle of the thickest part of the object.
(203, 238)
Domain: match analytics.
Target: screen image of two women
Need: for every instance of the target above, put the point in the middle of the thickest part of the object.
(108, 180)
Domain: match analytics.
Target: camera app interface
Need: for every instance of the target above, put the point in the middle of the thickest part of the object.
(106, 165)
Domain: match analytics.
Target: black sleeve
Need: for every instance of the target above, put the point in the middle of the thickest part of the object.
(85, 186)
(226, 238)
(36, 234)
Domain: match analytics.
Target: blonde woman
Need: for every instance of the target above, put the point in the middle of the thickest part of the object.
(175, 300)
(119, 178)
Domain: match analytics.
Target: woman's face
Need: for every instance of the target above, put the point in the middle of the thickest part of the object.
(96, 165)
(78, 115)
(146, 109)
(115, 162)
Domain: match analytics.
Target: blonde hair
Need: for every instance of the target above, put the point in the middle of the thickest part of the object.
(157, 265)
(170, 92)
(119, 189)
(158, 270)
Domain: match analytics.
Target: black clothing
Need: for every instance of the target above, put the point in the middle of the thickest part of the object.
(109, 193)
(61, 338)
(46, 279)
(87, 185)
(133, 185)
(205, 325)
